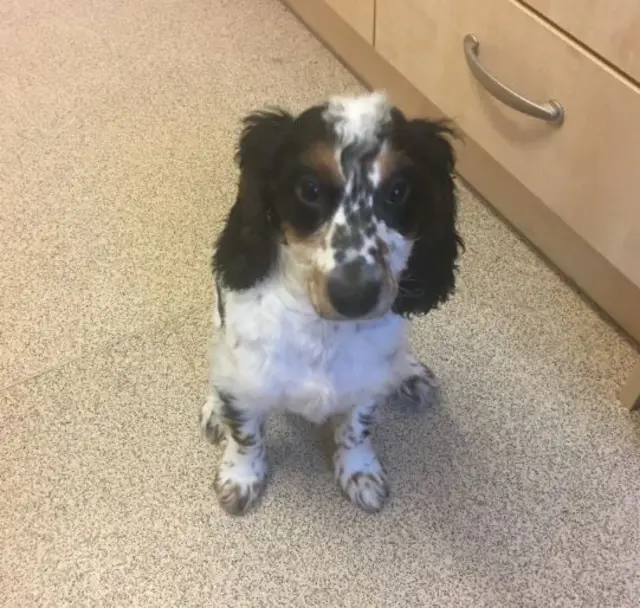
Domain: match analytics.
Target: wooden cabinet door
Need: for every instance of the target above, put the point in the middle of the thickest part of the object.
(611, 28)
(586, 170)
(359, 14)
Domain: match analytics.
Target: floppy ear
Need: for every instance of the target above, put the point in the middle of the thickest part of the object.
(247, 248)
(429, 278)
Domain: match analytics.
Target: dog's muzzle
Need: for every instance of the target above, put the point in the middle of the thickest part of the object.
(354, 289)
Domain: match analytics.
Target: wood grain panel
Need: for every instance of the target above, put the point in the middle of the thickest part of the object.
(359, 14)
(610, 27)
(630, 393)
(586, 170)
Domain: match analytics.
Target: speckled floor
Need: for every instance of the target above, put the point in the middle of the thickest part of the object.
(117, 124)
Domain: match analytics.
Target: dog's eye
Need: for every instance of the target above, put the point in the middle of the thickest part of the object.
(308, 190)
(398, 192)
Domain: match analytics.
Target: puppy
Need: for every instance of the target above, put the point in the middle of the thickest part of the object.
(343, 228)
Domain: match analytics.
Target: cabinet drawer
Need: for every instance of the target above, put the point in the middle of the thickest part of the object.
(359, 14)
(586, 169)
(611, 29)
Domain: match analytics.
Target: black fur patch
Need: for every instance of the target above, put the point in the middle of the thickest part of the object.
(247, 247)
(430, 217)
(268, 154)
(221, 311)
(235, 420)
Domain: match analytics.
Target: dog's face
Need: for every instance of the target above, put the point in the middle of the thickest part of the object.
(343, 194)
(360, 199)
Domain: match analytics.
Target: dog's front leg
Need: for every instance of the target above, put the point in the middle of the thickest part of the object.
(356, 466)
(242, 473)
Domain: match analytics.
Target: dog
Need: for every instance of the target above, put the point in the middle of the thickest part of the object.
(344, 227)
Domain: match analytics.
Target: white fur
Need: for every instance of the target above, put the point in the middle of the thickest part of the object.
(358, 117)
(215, 312)
(375, 171)
(276, 353)
(272, 351)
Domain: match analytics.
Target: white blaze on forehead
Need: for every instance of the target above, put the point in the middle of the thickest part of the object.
(375, 174)
(358, 118)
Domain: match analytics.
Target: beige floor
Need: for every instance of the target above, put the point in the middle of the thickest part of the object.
(117, 123)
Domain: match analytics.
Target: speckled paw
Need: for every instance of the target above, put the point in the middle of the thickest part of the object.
(237, 499)
(239, 485)
(361, 477)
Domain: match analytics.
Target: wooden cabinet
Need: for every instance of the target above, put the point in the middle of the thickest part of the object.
(585, 169)
(630, 393)
(359, 14)
(611, 28)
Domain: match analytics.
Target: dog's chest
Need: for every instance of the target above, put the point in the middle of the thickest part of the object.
(280, 358)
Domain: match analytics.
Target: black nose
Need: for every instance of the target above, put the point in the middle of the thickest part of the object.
(354, 288)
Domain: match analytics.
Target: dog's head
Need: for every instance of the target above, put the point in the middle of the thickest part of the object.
(356, 197)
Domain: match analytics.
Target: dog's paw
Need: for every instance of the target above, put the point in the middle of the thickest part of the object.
(239, 483)
(420, 387)
(210, 426)
(213, 432)
(361, 477)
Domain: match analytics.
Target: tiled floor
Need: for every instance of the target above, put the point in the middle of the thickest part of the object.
(117, 130)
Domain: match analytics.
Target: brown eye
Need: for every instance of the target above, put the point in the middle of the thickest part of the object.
(308, 190)
(398, 192)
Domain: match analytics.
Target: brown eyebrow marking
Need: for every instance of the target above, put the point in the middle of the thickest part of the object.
(315, 240)
(321, 157)
(389, 161)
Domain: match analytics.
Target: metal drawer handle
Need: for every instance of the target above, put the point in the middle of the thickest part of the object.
(551, 111)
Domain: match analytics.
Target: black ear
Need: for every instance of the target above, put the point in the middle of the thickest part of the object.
(247, 248)
(429, 278)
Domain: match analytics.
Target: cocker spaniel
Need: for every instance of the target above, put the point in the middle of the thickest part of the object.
(343, 228)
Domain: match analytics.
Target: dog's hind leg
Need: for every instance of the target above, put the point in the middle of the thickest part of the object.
(419, 385)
